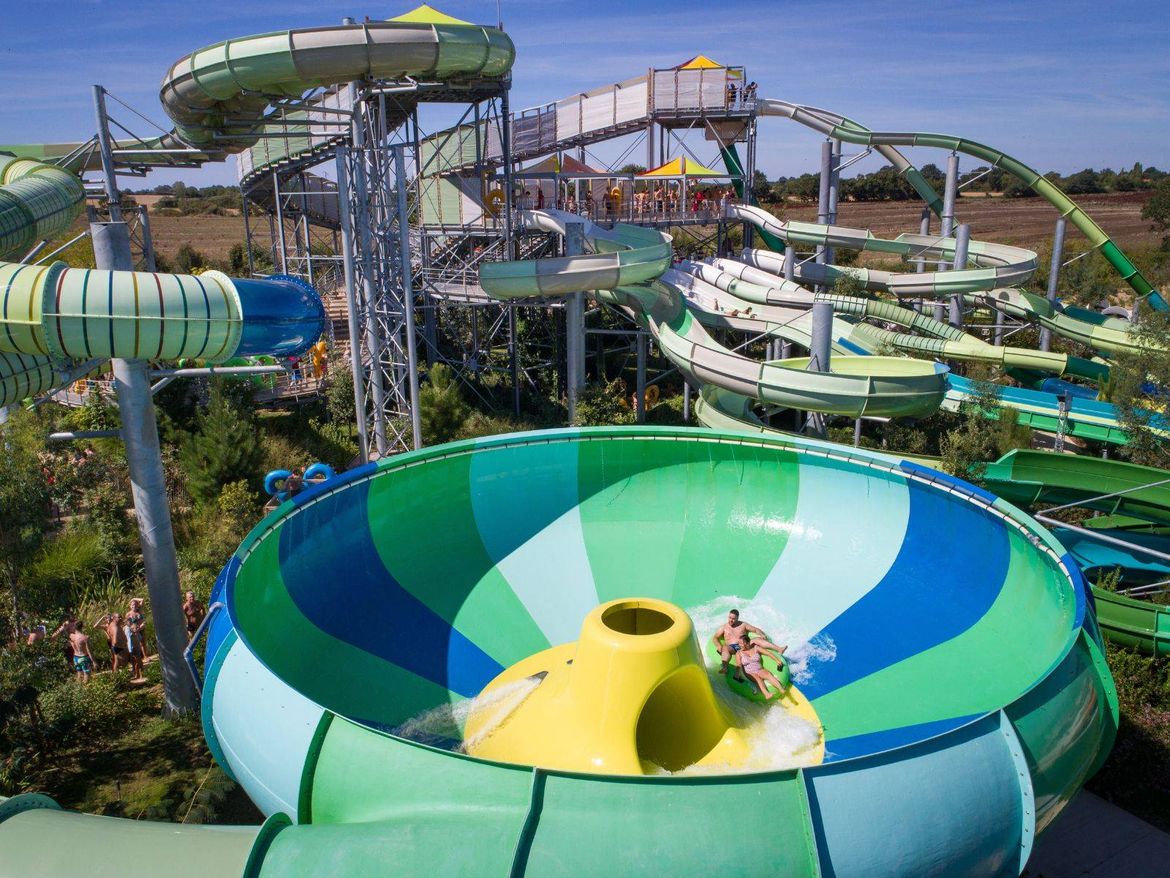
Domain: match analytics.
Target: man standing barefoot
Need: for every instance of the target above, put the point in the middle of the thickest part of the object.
(82, 657)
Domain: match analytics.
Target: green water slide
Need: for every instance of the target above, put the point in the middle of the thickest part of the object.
(994, 265)
(850, 132)
(1120, 492)
(1098, 331)
(218, 98)
(623, 271)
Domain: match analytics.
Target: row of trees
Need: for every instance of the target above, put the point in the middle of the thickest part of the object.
(886, 184)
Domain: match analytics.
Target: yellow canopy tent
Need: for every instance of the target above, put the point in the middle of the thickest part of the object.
(702, 62)
(428, 15)
(546, 176)
(683, 169)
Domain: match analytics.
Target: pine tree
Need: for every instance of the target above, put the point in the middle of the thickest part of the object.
(225, 447)
(442, 411)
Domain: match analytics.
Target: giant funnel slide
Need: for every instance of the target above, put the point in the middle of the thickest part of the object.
(930, 766)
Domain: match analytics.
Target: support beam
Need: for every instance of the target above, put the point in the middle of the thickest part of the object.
(574, 325)
(950, 194)
(834, 193)
(823, 196)
(351, 307)
(820, 351)
(962, 244)
(640, 402)
(407, 298)
(144, 461)
(1054, 277)
(923, 229)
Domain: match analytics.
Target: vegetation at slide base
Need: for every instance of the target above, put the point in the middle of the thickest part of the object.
(1136, 776)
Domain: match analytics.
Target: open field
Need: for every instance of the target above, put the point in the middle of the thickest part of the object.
(1027, 222)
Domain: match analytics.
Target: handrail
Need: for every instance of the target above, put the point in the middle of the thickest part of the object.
(189, 650)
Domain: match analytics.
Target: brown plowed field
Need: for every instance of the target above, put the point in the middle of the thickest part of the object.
(1027, 222)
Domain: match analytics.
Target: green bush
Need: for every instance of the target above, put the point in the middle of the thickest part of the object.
(96, 708)
(65, 567)
(599, 406)
(225, 447)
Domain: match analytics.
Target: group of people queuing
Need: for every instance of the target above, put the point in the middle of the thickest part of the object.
(662, 200)
(744, 95)
(125, 635)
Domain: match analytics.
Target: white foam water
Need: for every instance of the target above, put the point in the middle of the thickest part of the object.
(443, 726)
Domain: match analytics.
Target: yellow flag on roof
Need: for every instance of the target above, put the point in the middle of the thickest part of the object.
(428, 15)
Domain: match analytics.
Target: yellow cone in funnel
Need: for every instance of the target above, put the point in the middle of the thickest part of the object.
(629, 696)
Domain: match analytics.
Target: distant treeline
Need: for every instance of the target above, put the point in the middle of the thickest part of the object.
(885, 184)
(179, 199)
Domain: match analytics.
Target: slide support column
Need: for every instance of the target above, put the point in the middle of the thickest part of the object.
(111, 248)
(819, 353)
(962, 244)
(574, 325)
(823, 198)
(950, 194)
(1054, 277)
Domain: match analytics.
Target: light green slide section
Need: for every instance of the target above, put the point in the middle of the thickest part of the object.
(850, 132)
(38, 838)
(622, 269)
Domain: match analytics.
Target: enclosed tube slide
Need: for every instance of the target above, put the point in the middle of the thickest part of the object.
(217, 97)
(53, 315)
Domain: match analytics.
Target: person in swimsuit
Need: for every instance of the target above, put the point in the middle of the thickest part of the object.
(82, 657)
(136, 637)
(119, 645)
(67, 627)
(750, 659)
(726, 639)
(194, 611)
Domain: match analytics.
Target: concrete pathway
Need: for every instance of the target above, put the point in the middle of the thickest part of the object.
(1097, 839)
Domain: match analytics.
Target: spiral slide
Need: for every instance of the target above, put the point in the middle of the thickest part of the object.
(217, 98)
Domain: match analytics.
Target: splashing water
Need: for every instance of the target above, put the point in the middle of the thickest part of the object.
(803, 652)
(443, 726)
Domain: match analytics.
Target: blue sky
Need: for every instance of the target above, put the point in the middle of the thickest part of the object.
(1061, 85)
